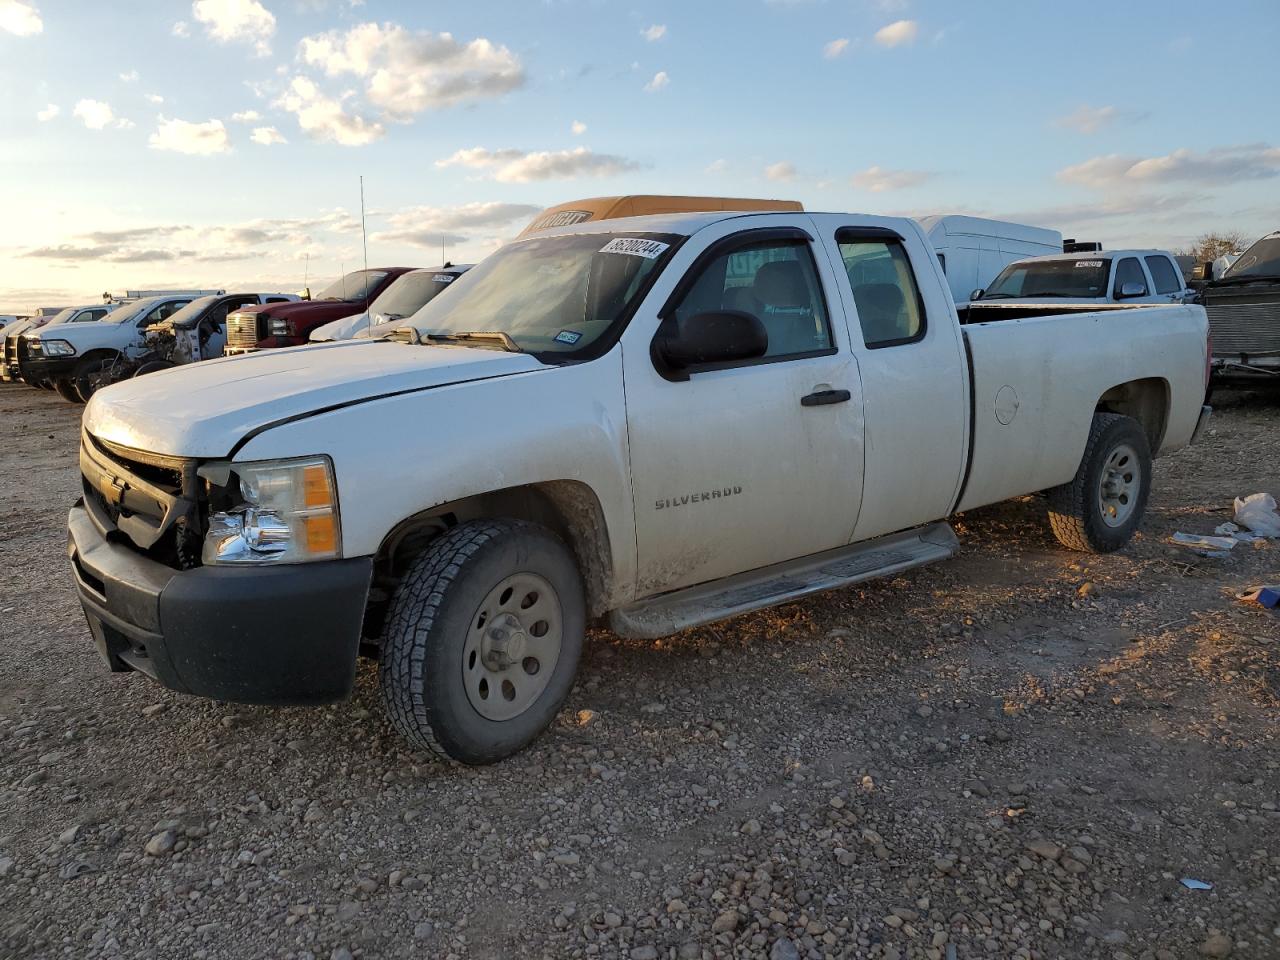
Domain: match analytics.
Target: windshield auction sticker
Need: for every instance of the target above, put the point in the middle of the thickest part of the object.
(1088, 263)
(635, 247)
(442, 278)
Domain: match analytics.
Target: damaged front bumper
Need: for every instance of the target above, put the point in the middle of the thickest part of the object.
(270, 635)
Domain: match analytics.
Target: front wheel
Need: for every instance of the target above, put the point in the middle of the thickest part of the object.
(482, 640)
(1099, 510)
(152, 366)
(88, 377)
(66, 390)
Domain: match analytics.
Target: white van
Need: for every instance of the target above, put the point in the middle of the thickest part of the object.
(973, 251)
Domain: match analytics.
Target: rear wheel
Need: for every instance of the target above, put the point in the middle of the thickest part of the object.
(1099, 510)
(66, 390)
(482, 640)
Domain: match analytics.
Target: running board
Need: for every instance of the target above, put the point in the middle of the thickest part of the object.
(670, 613)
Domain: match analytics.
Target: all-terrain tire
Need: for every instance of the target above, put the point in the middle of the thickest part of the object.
(67, 390)
(433, 618)
(1078, 509)
(87, 376)
(151, 366)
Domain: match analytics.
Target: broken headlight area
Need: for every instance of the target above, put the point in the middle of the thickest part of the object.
(271, 511)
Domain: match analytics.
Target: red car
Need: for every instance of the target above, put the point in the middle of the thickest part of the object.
(289, 324)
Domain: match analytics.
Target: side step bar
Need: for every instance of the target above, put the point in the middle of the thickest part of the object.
(678, 610)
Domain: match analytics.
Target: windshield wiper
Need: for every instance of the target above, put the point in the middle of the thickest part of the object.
(995, 296)
(1245, 278)
(483, 337)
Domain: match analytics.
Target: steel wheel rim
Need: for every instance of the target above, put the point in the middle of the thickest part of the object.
(513, 646)
(1118, 485)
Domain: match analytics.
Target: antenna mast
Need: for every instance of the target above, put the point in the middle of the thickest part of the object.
(364, 233)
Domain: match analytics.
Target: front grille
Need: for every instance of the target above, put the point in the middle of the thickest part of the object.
(1252, 329)
(150, 501)
(11, 349)
(244, 330)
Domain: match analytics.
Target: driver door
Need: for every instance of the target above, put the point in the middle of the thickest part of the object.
(740, 465)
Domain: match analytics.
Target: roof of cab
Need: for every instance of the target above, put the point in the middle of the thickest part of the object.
(1098, 254)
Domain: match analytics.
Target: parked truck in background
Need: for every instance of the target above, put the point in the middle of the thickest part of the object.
(1244, 315)
(1097, 280)
(802, 410)
(403, 298)
(290, 324)
(12, 354)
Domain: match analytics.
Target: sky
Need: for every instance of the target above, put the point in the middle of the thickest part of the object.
(219, 143)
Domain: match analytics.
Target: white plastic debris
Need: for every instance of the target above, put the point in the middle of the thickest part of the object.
(1225, 529)
(1257, 512)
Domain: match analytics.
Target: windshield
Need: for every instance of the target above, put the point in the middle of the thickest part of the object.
(407, 294)
(128, 312)
(354, 286)
(1260, 260)
(1051, 278)
(192, 310)
(552, 294)
(62, 316)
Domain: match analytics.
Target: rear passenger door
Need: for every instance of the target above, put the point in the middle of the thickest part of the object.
(914, 377)
(1166, 278)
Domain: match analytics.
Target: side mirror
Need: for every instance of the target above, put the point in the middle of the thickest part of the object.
(977, 294)
(719, 337)
(1133, 289)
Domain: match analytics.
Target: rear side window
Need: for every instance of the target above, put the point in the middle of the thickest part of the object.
(775, 281)
(1164, 275)
(1129, 270)
(890, 309)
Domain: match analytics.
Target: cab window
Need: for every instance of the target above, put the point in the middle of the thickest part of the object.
(776, 282)
(1164, 275)
(885, 294)
(1129, 270)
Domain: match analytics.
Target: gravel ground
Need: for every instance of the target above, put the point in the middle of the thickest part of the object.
(1017, 753)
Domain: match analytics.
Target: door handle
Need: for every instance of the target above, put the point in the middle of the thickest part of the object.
(823, 397)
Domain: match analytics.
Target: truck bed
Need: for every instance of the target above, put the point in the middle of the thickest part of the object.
(1036, 382)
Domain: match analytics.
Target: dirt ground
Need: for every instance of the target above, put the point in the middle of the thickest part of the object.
(1017, 753)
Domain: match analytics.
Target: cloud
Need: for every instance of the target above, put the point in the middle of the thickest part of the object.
(898, 33)
(716, 167)
(323, 118)
(267, 136)
(1218, 166)
(95, 114)
(578, 128)
(181, 29)
(517, 166)
(660, 81)
(246, 116)
(155, 98)
(1087, 119)
(784, 170)
(48, 113)
(654, 33)
(20, 18)
(182, 136)
(130, 77)
(407, 72)
(881, 180)
(430, 226)
(237, 21)
(835, 48)
(124, 123)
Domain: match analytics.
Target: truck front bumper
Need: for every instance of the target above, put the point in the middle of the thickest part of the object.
(48, 368)
(266, 635)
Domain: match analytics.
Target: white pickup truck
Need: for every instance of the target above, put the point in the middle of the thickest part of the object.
(659, 421)
(1066, 282)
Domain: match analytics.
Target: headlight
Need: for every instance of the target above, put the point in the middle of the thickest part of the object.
(280, 327)
(54, 348)
(289, 515)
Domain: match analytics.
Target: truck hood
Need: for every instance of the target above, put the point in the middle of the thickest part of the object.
(205, 409)
(306, 308)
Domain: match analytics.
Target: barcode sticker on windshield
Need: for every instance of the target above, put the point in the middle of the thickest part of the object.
(635, 247)
(1088, 263)
(442, 278)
